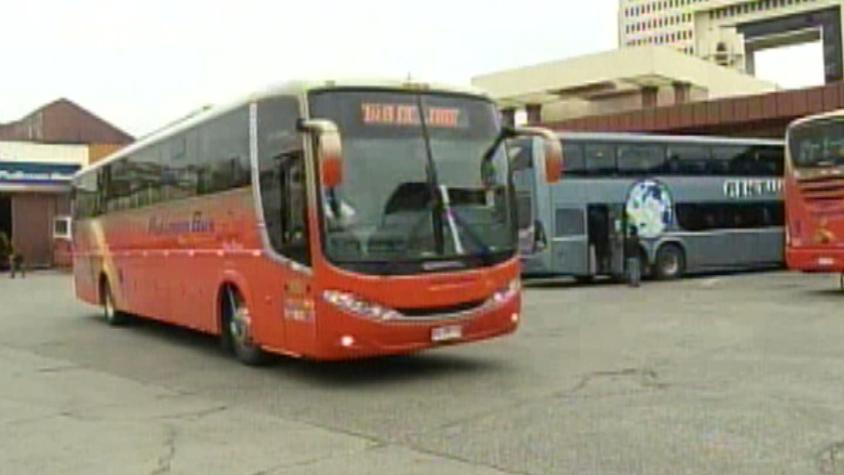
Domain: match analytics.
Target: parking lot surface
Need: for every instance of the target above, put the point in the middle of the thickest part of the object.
(734, 374)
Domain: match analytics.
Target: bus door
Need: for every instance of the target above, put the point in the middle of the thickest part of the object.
(616, 239)
(284, 197)
(606, 239)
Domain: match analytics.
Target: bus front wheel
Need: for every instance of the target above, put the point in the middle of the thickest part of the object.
(670, 262)
(237, 329)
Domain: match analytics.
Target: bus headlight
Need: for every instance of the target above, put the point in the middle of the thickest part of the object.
(359, 307)
(506, 294)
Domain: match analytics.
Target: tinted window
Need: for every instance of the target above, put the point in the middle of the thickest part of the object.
(225, 152)
(85, 196)
(147, 176)
(640, 159)
(600, 159)
(688, 159)
(524, 208)
(521, 154)
(728, 160)
(711, 216)
(120, 186)
(818, 143)
(282, 177)
(771, 160)
(573, 163)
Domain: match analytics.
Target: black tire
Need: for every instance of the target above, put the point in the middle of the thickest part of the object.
(236, 331)
(111, 314)
(670, 262)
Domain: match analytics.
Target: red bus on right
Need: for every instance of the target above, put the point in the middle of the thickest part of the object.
(814, 194)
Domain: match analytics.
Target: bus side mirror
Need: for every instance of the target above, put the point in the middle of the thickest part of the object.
(553, 151)
(329, 150)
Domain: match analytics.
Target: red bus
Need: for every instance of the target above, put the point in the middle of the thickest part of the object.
(323, 220)
(814, 194)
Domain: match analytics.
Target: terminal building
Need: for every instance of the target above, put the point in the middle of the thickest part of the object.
(614, 81)
(682, 66)
(38, 156)
(730, 32)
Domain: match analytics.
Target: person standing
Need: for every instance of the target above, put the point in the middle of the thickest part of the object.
(632, 253)
(16, 263)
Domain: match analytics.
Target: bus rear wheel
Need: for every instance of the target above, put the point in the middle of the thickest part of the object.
(670, 262)
(112, 316)
(237, 329)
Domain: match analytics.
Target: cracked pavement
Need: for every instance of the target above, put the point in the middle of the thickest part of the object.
(737, 374)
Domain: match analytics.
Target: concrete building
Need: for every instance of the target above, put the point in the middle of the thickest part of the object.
(611, 82)
(729, 32)
(38, 156)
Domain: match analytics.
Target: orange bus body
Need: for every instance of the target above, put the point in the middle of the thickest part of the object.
(172, 262)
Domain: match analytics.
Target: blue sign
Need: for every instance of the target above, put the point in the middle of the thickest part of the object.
(33, 173)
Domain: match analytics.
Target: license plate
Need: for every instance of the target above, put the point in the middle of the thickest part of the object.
(449, 333)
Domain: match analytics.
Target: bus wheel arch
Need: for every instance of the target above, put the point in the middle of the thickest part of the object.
(235, 323)
(669, 261)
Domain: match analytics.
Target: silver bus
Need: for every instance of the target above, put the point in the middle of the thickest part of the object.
(694, 204)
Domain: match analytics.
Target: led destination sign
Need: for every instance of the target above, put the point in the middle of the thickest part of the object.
(408, 115)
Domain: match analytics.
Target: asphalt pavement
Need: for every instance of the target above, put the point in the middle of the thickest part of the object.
(735, 374)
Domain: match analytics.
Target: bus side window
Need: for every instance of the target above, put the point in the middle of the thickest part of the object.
(573, 164)
(294, 236)
(521, 154)
(283, 179)
(640, 159)
(600, 159)
(771, 160)
(224, 160)
(688, 159)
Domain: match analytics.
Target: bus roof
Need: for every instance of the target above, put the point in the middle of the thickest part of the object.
(826, 115)
(630, 137)
(290, 88)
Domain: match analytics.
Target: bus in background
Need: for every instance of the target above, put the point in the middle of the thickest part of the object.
(324, 220)
(814, 194)
(698, 204)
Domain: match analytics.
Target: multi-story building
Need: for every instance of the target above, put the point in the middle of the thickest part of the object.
(729, 32)
(658, 22)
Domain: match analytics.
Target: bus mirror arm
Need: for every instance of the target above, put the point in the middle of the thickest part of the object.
(329, 149)
(553, 150)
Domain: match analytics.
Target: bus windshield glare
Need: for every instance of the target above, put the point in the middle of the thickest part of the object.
(818, 144)
(416, 185)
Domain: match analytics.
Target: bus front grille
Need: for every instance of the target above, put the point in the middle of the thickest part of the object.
(823, 190)
(449, 311)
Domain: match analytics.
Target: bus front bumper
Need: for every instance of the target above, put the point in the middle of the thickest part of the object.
(818, 260)
(344, 337)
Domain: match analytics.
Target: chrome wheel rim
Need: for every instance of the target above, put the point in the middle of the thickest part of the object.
(672, 265)
(239, 325)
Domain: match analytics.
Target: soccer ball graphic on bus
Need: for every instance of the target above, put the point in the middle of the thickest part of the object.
(650, 208)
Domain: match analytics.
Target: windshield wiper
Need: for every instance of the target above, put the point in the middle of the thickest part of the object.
(433, 182)
(456, 219)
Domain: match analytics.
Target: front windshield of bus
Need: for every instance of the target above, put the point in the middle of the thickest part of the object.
(425, 178)
(818, 144)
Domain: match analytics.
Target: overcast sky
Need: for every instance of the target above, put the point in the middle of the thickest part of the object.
(142, 64)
